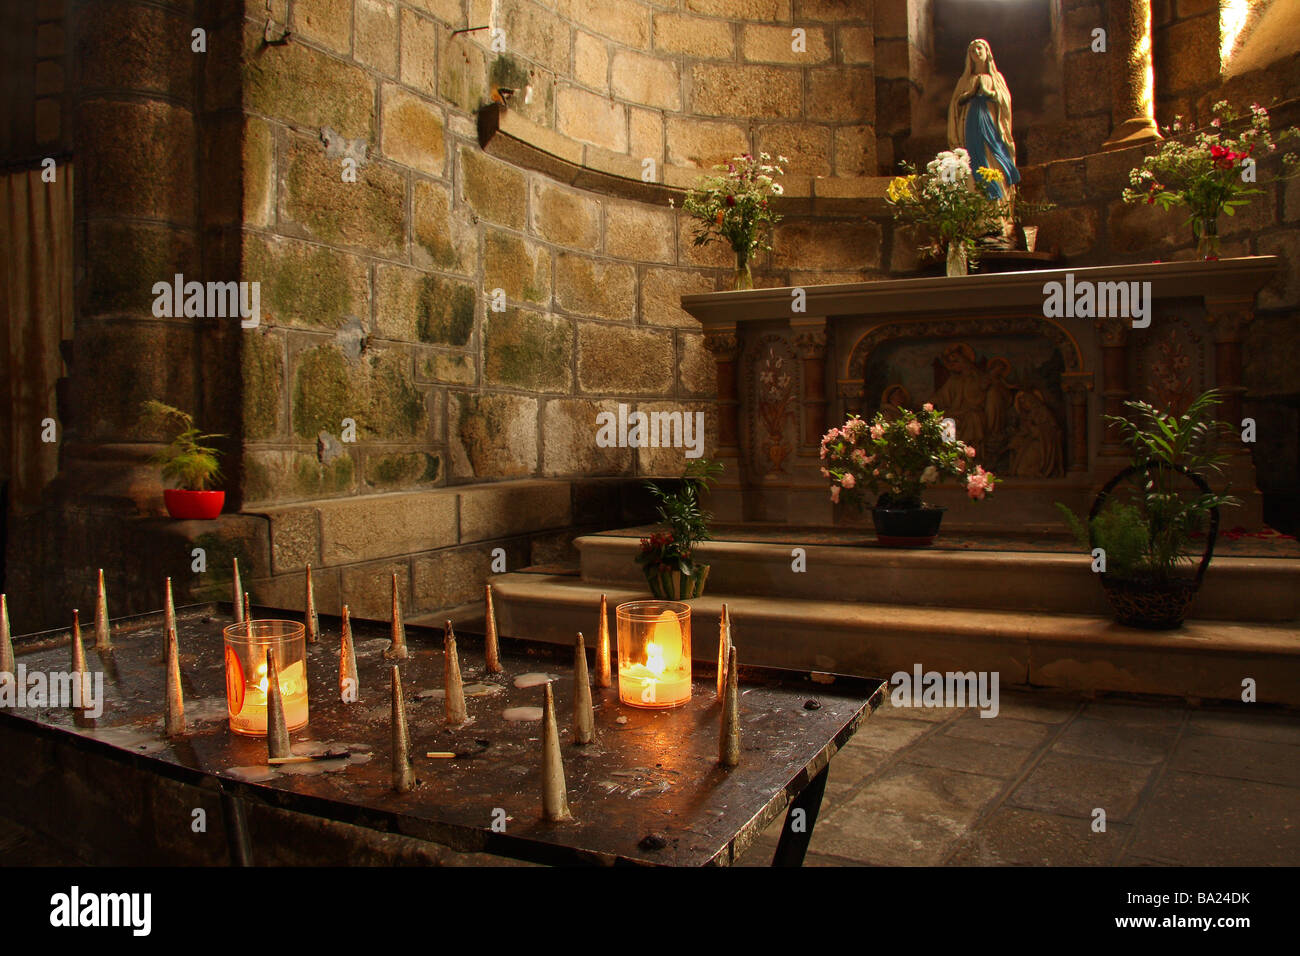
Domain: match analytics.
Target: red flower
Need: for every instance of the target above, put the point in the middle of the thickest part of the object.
(731, 200)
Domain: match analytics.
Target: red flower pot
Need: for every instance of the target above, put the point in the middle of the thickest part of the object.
(203, 505)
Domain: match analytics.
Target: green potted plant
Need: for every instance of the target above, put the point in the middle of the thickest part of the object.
(732, 206)
(896, 457)
(1210, 170)
(667, 557)
(1147, 540)
(192, 465)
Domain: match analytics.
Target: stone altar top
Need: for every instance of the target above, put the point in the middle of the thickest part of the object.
(1223, 280)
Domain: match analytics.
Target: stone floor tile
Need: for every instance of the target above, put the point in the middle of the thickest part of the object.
(1014, 837)
(1136, 743)
(1233, 757)
(1195, 820)
(1240, 722)
(886, 735)
(888, 711)
(1074, 786)
(970, 756)
(1135, 712)
(1044, 708)
(908, 816)
(1008, 731)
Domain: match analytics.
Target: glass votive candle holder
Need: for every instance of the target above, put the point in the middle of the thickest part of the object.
(654, 653)
(246, 678)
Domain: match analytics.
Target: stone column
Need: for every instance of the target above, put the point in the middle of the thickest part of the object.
(724, 343)
(1114, 381)
(1128, 60)
(1077, 385)
(1228, 319)
(809, 339)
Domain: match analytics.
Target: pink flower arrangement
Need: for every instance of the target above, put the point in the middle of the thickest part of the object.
(979, 484)
(895, 458)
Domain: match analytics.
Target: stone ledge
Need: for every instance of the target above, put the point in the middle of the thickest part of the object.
(1067, 651)
(1235, 589)
(509, 136)
(337, 532)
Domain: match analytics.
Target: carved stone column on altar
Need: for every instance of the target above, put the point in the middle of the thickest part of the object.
(1228, 319)
(1076, 386)
(725, 346)
(809, 340)
(1114, 381)
(1128, 58)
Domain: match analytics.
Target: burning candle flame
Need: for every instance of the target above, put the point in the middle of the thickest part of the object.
(654, 659)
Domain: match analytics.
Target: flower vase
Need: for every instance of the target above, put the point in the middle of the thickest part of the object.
(956, 258)
(744, 278)
(1206, 231)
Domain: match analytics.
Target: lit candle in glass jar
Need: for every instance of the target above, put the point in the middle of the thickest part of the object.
(246, 681)
(654, 653)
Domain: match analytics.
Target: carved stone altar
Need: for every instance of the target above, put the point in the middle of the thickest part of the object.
(1028, 390)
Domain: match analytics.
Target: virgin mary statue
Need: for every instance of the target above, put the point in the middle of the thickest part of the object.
(979, 118)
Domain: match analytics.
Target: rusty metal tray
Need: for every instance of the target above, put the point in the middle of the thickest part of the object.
(648, 774)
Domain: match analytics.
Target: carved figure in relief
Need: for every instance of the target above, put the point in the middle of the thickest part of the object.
(963, 395)
(1037, 446)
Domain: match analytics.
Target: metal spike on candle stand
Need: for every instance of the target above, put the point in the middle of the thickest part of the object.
(724, 643)
(555, 795)
(729, 740)
(78, 664)
(455, 693)
(237, 588)
(348, 663)
(6, 639)
(491, 645)
(277, 730)
(169, 618)
(312, 620)
(403, 779)
(248, 615)
(102, 639)
(397, 649)
(603, 676)
(174, 712)
(582, 712)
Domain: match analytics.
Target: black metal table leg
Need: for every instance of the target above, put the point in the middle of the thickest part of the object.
(237, 837)
(793, 844)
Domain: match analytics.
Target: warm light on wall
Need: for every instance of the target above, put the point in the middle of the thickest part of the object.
(1233, 15)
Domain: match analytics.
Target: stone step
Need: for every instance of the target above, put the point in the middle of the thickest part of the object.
(1235, 588)
(1073, 652)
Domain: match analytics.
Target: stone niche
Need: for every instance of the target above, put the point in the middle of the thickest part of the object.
(1029, 391)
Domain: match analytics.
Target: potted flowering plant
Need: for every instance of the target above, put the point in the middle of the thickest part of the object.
(944, 200)
(896, 459)
(186, 460)
(1213, 172)
(666, 556)
(732, 205)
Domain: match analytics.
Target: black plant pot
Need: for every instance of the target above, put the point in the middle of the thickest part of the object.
(907, 527)
(1142, 601)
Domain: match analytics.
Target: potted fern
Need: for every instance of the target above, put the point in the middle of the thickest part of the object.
(667, 557)
(188, 462)
(1146, 541)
